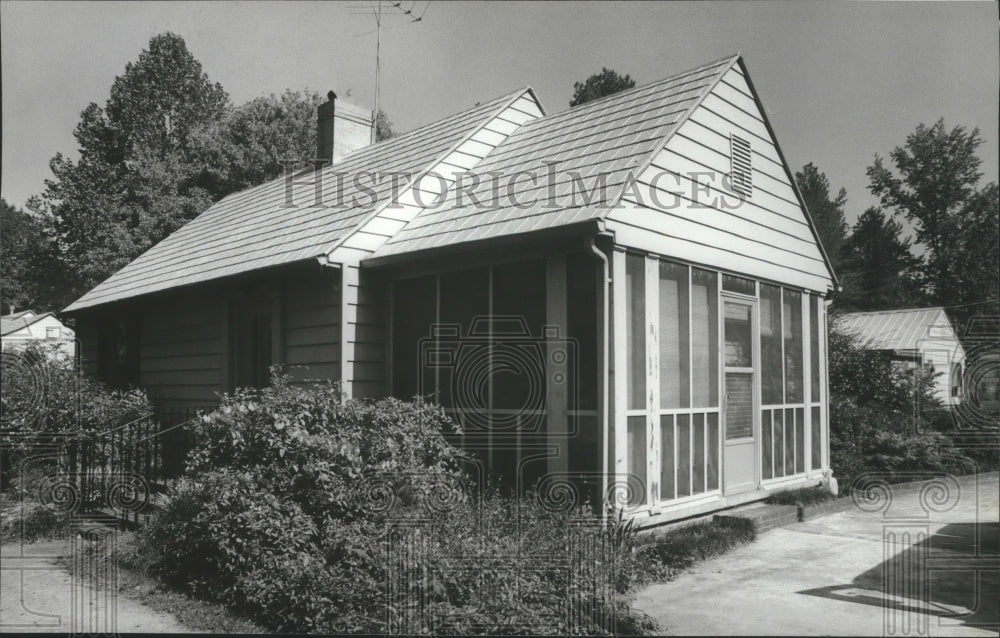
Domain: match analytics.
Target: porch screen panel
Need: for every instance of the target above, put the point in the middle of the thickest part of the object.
(789, 442)
(767, 459)
(518, 300)
(698, 440)
(778, 445)
(517, 400)
(792, 331)
(637, 458)
(800, 441)
(683, 455)
(464, 297)
(814, 347)
(414, 304)
(667, 465)
(770, 345)
(635, 330)
(817, 438)
(674, 336)
(704, 338)
(712, 451)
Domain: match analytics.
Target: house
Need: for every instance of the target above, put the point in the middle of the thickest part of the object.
(626, 299)
(915, 337)
(18, 329)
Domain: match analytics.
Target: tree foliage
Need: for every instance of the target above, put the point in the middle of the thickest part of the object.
(21, 239)
(878, 269)
(827, 213)
(134, 181)
(607, 82)
(249, 143)
(935, 185)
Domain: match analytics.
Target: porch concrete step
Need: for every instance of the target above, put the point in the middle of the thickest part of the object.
(763, 516)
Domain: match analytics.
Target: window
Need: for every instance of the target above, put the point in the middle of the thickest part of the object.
(792, 326)
(704, 338)
(635, 330)
(742, 172)
(52, 333)
(771, 381)
(675, 377)
(815, 401)
(741, 285)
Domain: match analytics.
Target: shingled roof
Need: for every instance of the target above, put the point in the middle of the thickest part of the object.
(607, 139)
(251, 229)
(898, 330)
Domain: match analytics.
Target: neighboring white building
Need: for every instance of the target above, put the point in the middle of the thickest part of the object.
(20, 328)
(921, 336)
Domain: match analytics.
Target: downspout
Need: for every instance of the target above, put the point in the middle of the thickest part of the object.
(605, 348)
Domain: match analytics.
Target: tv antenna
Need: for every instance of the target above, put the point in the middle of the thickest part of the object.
(395, 10)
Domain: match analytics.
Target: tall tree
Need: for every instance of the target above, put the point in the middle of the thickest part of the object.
(134, 181)
(598, 85)
(936, 187)
(30, 274)
(827, 213)
(878, 269)
(248, 145)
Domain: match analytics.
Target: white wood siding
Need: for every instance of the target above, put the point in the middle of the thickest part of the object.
(681, 206)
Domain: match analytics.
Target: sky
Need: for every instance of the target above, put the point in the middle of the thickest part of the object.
(841, 81)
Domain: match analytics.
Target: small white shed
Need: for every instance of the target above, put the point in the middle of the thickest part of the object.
(916, 336)
(18, 329)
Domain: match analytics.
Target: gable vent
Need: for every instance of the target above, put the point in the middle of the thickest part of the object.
(742, 172)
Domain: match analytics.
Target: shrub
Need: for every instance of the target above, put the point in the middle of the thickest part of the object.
(331, 457)
(315, 514)
(216, 529)
(866, 439)
(29, 521)
(41, 394)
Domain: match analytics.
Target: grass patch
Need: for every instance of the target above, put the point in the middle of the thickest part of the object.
(805, 497)
(665, 556)
(135, 583)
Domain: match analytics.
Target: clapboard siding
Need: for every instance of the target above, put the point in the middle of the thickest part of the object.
(180, 349)
(312, 325)
(681, 205)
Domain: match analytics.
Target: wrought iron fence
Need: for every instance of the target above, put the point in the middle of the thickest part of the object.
(120, 466)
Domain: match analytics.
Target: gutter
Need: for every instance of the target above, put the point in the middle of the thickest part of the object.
(605, 373)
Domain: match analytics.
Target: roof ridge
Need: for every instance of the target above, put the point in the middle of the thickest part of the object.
(640, 87)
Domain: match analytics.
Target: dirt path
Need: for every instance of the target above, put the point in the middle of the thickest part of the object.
(38, 595)
(926, 564)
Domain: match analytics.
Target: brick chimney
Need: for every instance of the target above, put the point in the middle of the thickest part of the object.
(342, 128)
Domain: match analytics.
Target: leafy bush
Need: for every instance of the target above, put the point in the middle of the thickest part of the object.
(29, 521)
(885, 418)
(310, 513)
(41, 394)
(331, 457)
(867, 439)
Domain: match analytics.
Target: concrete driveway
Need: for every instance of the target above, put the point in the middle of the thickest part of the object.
(925, 560)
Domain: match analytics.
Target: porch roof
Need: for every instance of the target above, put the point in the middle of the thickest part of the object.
(610, 139)
(251, 229)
